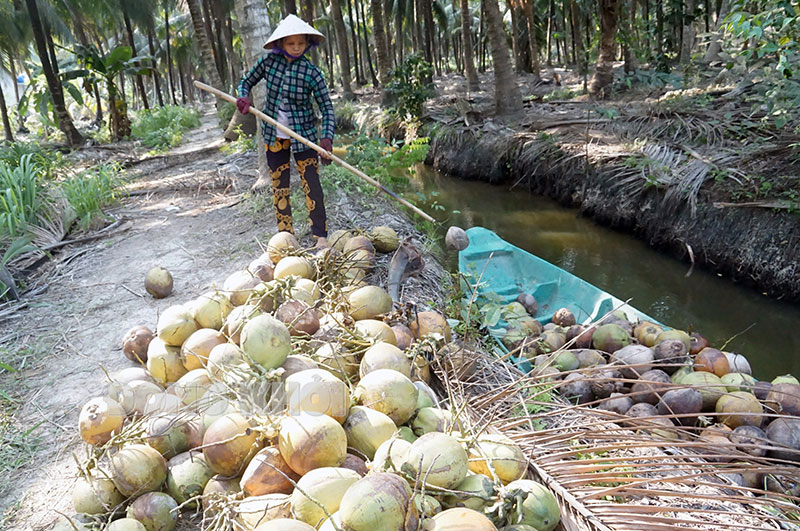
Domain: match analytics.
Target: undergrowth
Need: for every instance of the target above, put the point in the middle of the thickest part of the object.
(164, 127)
(89, 191)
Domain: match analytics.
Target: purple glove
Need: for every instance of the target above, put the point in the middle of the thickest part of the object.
(327, 145)
(243, 104)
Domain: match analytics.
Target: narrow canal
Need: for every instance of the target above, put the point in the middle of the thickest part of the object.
(765, 330)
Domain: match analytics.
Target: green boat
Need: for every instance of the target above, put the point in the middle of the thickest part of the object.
(499, 271)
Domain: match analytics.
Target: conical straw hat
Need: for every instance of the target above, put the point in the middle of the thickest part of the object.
(293, 25)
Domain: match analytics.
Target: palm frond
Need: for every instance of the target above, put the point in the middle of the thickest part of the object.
(614, 472)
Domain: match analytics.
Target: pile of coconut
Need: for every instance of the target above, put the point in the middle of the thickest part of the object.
(295, 397)
(674, 380)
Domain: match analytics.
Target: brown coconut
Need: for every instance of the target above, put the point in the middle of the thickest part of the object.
(299, 317)
(135, 343)
(268, 473)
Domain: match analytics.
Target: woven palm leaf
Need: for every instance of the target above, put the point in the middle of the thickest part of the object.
(610, 472)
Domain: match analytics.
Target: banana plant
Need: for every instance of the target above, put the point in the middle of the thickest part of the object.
(96, 67)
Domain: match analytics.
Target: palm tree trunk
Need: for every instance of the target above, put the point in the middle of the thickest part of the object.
(6, 122)
(518, 50)
(360, 78)
(206, 53)
(219, 60)
(74, 138)
(715, 47)
(129, 30)
(507, 97)
(170, 73)
(254, 29)
(156, 76)
(427, 13)
(381, 48)
(687, 38)
(603, 74)
(98, 117)
(466, 39)
(344, 51)
(626, 17)
(363, 26)
(290, 7)
(398, 33)
(527, 6)
(577, 40)
(549, 34)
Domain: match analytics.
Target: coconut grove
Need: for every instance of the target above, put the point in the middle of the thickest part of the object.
(247, 279)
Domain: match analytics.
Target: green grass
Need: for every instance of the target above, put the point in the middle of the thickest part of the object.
(164, 127)
(89, 191)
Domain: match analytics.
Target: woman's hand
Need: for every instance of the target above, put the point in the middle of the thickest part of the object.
(243, 104)
(327, 145)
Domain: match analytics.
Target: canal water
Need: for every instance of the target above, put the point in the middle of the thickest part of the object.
(765, 330)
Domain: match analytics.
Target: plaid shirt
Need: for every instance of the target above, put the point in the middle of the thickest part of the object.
(296, 82)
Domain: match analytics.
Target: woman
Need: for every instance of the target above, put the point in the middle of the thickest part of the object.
(293, 82)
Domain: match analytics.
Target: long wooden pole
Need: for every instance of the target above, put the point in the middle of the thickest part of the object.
(315, 147)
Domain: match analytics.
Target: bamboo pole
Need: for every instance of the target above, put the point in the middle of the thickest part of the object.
(316, 148)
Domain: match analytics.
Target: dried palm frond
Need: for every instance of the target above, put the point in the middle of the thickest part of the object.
(648, 474)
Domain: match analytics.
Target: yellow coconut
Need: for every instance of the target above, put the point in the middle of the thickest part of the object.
(268, 473)
(360, 259)
(100, 418)
(309, 286)
(175, 325)
(338, 238)
(95, 496)
(138, 468)
(384, 239)
(378, 501)
(124, 524)
(222, 358)
(133, 396)
(369, 302)
(264, 296)
(390, 456)
(284, 524)
(427, 323)
(497, 454)
(280, 244)
(266, 341)
(533, 505)
(384, 355)
(164, 362)
(218, 486)
(239, 285)
(461, 519)
(158, 282)
(337, 360)
(252, 512)
(740, 408)
(234, 323)
(293, 265)
(376, 330)
(320, 488)
(309, 441)
(437, 459)
(389, 392)
(192, 386)
(317, 391)
(197, 347)
(229, 444)
(210, 309)
(367, 429)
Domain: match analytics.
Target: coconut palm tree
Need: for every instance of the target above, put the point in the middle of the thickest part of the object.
(381, 49)
(40, 37)
(603, 74)
(206, 53)
(254, 28)
(466, 45)
(344, 49)
(507, 97)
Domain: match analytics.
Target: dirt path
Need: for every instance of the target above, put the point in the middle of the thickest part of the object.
(189, 217)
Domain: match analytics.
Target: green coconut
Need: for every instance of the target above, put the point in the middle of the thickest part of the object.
(740, 408)
(158, 282)
(383, 355)
(534, 505)
(495, 455)
(709, 385)
(95, 496)
(430, 419)
(338, 238)
(438, 460)
(474, 492)
(138, 468)
(210, 309)
(675, 334)
(157, 511)
(738, 381)
(266, 341)
(390, 456)
(187, 476)
(610, 338)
